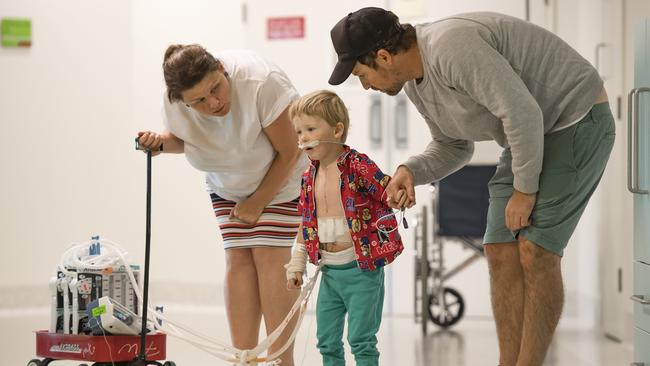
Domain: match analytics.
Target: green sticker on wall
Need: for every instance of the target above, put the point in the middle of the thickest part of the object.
(101, 309)
(16, 32)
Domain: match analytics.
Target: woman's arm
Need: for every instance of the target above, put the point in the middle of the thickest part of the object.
(285, 142)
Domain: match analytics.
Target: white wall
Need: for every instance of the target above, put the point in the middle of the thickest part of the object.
(70, 107)
(67, 156)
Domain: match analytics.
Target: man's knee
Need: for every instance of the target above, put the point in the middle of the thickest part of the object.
(535, 258)
(502, 254)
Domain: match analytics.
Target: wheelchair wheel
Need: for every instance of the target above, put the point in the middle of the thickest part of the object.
(447, 311)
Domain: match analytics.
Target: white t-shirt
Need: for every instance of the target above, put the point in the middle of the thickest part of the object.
(233, 150)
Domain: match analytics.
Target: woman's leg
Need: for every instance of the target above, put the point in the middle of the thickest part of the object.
(275, 299)
(242, 298)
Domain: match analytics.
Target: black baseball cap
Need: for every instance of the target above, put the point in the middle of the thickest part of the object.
(358, 33)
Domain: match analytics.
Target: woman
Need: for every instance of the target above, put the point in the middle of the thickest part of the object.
(229, 116)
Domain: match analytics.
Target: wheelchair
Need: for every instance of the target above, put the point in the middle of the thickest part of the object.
(458, 209)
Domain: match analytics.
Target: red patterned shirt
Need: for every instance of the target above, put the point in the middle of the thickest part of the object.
(362, 190)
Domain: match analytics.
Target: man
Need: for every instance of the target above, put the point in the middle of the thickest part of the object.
(488, 76)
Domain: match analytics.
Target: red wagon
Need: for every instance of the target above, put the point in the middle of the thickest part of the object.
(118, 349)
(111, 350)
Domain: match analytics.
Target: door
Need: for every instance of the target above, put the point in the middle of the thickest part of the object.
(542, 13)
(615, 263)
(639, 184)
(635, 205)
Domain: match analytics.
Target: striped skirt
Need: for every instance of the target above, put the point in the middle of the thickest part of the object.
(276, 227)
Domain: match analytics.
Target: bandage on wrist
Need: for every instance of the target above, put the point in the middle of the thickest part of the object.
(297, 263)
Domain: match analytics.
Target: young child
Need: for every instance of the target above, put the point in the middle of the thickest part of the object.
(346, 227)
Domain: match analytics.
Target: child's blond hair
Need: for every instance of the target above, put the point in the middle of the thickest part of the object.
(323, 104)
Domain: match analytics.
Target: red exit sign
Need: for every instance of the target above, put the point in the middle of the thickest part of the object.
(285, 28)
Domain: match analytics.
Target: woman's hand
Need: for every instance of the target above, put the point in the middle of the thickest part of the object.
(153, 141)
(247, 211)
(295, 283)
(150, 141)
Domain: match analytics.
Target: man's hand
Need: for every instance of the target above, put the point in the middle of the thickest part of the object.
(247, 211)
(518, 210)
(400, 192)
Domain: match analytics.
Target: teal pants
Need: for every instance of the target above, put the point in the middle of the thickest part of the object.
(360, 294)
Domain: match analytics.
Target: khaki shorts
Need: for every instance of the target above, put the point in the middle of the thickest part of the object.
(574, 161)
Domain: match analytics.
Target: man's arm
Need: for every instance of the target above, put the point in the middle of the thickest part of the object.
(442, 156)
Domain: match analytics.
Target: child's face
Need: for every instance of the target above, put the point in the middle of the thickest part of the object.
(312, 128)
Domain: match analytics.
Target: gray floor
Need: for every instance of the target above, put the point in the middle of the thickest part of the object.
(472, 342)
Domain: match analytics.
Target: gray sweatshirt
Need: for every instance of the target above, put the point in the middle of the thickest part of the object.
(489, 76)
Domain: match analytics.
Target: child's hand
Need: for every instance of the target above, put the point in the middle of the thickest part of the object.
(295, 283)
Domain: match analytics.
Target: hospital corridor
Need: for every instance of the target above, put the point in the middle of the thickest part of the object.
(371, 182)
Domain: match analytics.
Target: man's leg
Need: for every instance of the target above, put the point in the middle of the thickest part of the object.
(543, 301)
(507, 293)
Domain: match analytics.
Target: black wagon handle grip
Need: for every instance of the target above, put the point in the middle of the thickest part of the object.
(139, 147)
